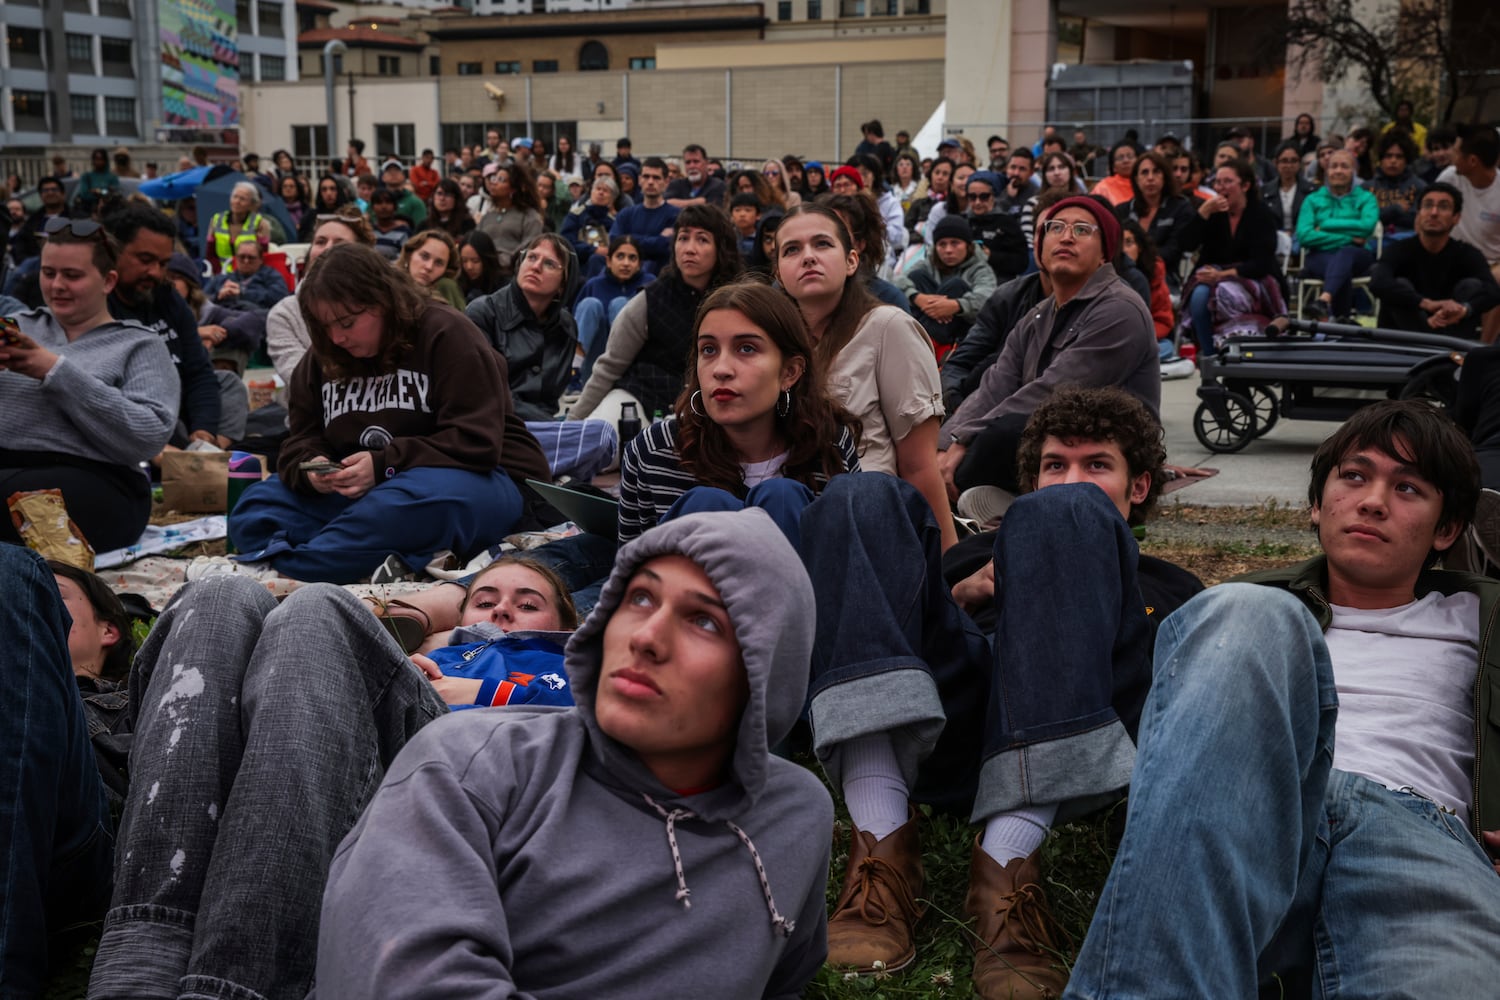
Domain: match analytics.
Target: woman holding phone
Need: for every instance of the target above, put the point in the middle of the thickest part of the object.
(401, 421)
(84, 399)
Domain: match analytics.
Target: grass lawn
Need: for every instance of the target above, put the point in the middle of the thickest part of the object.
(1216, 544)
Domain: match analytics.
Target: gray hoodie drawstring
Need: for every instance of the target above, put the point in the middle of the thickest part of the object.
(782, 924)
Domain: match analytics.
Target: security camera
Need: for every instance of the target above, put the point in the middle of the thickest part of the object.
(494, 91)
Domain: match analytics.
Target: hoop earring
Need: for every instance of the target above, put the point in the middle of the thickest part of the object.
(694, 400)
(784, 405)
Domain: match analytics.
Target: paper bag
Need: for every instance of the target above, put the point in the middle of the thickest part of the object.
(41, 519)
(195, 482)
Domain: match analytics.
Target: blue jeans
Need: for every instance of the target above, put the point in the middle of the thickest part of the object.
(953, 287)
(1244, 850)
(261, 732)
(1203, 320)
(55, 841)
(594, 319)
(330, 538)
(977, 726)
(1337, 268)
(783, 499)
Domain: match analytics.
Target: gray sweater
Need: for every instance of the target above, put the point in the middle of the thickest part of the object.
(111, 397)
(514, 853)
(1103, 336)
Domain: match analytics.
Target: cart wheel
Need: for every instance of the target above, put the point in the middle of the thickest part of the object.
(1435, 385)
(1229, 432)
(1267, 407)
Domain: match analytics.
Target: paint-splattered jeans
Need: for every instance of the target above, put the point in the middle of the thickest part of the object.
(261, 732)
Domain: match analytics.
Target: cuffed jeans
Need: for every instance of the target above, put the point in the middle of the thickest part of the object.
(261, 732)
(1046, 714)
(329, 538)
(1244, 850)
(55, 842)
(1338, 268)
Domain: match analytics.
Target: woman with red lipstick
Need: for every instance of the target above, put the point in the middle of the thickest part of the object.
(880, 364)
(646, 354)
(754, 426)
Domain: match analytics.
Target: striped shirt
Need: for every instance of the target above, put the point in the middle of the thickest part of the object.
(651, 476)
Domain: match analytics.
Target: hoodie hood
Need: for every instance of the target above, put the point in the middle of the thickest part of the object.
(771, 610)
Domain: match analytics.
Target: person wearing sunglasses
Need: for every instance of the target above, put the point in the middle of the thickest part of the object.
(84, 398)
(1092, 331)
(997, 233)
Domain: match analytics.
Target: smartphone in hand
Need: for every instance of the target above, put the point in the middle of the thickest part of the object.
(10, 332)
(320, 467)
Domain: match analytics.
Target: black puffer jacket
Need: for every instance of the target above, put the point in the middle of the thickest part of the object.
(539, 350)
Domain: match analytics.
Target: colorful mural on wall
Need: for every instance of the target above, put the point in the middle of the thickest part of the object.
(200, 63)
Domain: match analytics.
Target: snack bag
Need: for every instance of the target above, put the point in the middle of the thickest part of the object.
(41, 519)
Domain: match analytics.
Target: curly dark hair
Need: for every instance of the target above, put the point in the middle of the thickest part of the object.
(1146, 254)
(712, 219)
(811, 425)
(356, 277)
(1073, 413)
(1411, 432)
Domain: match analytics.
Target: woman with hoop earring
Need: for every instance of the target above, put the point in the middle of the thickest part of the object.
(754, 426)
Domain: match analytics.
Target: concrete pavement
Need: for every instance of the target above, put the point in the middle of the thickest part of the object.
(1273, 467)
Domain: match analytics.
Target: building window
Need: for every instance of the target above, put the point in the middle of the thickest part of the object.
(399, 141)
(273, 67)
(513, 66)
(80, 53)
(25, 45)
(470, 68)
(389, 66)
(117, 57)
(815, 10)
(919, 6)
(270, 20)
(435, 65)
(784, 10)
(852, 8)
(85, 112)
(30, 107)
(114, 8)
(544, 66)
(338, 64)
(885, 8)
(119, 115)
(242, 15)
(593, 56)
(649, 62)
(310, 144)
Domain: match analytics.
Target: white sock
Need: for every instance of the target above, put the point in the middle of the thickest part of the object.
(1015, 834)
(874, 790)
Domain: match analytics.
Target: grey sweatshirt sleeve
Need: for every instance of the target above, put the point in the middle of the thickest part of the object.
(445, 933)
(626, 337)
(286, 337)
(999, 380)
(130, 422)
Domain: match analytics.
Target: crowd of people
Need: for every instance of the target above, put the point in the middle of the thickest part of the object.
(898, 420)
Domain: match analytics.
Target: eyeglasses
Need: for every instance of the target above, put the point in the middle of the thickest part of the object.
(771, 173)
(82, 228)
(1080, 230)
(981, 196)
(545, 263)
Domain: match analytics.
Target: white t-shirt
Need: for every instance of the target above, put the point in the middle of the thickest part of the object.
(758, 472)
(1405, 680)
(1479, 222)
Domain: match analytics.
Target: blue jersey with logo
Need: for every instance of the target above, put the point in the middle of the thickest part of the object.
(514, 671)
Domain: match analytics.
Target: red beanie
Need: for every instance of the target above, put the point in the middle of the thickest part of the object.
(850, 173)
(1104, 217)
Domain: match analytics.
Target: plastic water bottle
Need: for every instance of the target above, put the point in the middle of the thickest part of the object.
(628, 427)
(244, 469)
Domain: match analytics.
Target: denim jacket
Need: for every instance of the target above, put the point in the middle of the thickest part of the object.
(1309, 582)
(106, 709)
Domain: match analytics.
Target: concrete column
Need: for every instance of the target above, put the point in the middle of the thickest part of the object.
(977, 63)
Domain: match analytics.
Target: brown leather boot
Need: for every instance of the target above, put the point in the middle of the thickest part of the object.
(1017, 954)
(878, 910)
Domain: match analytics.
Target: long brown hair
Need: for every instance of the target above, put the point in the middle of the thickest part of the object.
(813, 421)
(853, 306)
(354, 276)
(414, 244)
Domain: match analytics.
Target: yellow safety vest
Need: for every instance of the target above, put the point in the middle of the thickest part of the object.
(223, 246)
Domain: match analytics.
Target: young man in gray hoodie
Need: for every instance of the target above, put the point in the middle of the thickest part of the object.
(642, 844)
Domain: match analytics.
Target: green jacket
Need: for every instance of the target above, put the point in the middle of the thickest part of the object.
(1328, 223)
(1309, 582)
